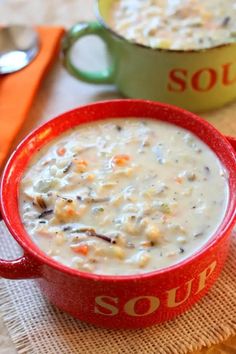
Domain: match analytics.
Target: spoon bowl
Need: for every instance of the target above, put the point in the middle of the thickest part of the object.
(19, 45)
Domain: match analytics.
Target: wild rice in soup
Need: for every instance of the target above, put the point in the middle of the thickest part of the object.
(123, 196)
(175, 24)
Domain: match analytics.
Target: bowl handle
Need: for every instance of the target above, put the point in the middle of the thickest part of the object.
(232, 141)
(20, 268)
(78, 31)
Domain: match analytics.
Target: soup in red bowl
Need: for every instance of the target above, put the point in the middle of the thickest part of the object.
(123, 209)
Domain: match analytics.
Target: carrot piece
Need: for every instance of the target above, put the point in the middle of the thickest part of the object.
(179, 180)
(81, 165)
(90, 177)
(82, 162)
(121, 159)
(82, 249)
(70, 212)
(61, 151)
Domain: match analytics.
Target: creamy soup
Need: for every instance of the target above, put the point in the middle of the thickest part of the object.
(123, 196)
(175, 24)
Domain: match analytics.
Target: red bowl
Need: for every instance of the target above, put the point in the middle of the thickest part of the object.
(118, 301)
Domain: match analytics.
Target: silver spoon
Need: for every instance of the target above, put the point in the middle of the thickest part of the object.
(18, 47)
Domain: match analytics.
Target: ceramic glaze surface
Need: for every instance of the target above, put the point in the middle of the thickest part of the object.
(123, 196)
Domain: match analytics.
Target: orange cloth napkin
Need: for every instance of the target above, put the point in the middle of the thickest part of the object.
(18, 90)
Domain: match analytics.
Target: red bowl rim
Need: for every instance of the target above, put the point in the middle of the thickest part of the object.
(31, 248)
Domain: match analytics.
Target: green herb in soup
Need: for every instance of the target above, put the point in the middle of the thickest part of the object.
(123, 196)
(175, 24)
